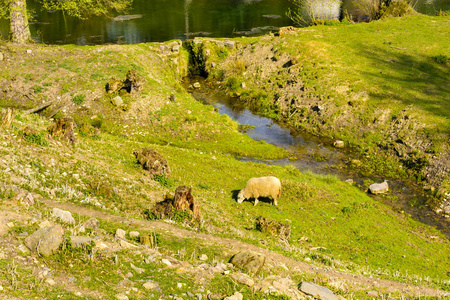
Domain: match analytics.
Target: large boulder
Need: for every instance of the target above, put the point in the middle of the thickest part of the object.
(249, 260)
(46, 240)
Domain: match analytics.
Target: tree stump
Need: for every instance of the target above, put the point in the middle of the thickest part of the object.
(152, 161)
(63, 128)
(184, 200)
(6, 117)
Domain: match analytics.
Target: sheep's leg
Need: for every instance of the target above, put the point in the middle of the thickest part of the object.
(275, 202)
(256, 201)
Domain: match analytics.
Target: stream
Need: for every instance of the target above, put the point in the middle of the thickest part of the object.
(316, 154)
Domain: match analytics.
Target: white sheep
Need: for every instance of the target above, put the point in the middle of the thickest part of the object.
(261, 187)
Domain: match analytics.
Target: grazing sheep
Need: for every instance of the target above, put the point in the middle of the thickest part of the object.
(261, 187)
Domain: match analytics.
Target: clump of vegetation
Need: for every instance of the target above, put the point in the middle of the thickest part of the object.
(34, 137)
(163, 180)
(441, 59)
(233, 84)
(79, 99)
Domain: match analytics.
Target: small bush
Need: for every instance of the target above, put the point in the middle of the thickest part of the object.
(163, 180)
(35, 138)
(79, 99)
(441, 59)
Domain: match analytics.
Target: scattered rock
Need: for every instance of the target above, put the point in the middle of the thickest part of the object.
(64, 215)
(50, 281)
(134, 234)
(127, 245)
(317, 291)
(249, 260)
(152, 161)
(92, 223)
(274, 227)
(338, 144)
(235, 296)
(80, 241)
(46, 240)
(372, 293)
(150, 285)
(29, 51)
(166, 262)
(243, 278)
(121, 297)
(117, 101)
(203, 257)
(197, 85)
(230, 44)
(29, 199)
(120, 234)
(172, 97)
(379, 188)
(350, 181)
(137, 269)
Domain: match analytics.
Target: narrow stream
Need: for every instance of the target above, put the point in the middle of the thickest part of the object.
(316, 154)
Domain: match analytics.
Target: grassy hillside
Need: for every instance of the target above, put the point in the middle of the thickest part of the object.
(335, 226)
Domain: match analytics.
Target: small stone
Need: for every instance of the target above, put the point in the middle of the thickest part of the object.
(150, 285)
(372, 294)
(197, 85)
(92, 223)
(379, 188)
(10, 224)
(120, 234)
(179, 285)
(189, 294)
(166, 262)
(1, 56)
(1, 288)
(134, 234)
(28, 199)
(229, 44)
(50, 281)
(317, 291)
(64, 215)
(203, 257)
(350, 181)
(127, 245)
(117, 101)
(235, 296)
(71, 279)
(176, 48)
(29, 51)
(243, 278)
(121, 297)
(137, 269)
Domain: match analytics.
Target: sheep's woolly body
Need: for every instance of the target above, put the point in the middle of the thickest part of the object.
(261, 187)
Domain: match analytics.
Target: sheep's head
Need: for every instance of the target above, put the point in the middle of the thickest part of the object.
(240, 196)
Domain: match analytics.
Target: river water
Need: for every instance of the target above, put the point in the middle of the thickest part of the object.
(163, 20)
(316, 154)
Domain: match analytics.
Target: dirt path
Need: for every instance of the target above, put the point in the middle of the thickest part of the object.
(356, 282)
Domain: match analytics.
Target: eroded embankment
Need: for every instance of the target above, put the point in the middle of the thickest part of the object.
(272, 81)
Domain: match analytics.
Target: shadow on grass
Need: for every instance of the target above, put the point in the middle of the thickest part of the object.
(412, 79)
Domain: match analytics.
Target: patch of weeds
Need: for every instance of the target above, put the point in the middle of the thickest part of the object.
(233, 84)
(163, 180)
(441, 59)
(37, 89)
(35, 138)
(244, 128)
(222, 53)
(7, 194)
(79, 99)
(180, 216)
(319, 158)
(47, 84)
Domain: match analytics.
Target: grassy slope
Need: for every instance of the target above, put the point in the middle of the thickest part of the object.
(356, 233)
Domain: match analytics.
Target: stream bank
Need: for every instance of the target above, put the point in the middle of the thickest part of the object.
(312, 153)
(272, 80)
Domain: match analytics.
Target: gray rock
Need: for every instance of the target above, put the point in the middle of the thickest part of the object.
(121, 297)
(317, 291)
(117, 101)
(189, 294)
(176, 48)
(120, 234)
(229, 44)
(249, 260)
(64, 215)
(92, 223)
(150, 285)
(46, 240)
(379, 188)
(80, 241)
(235, 296)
